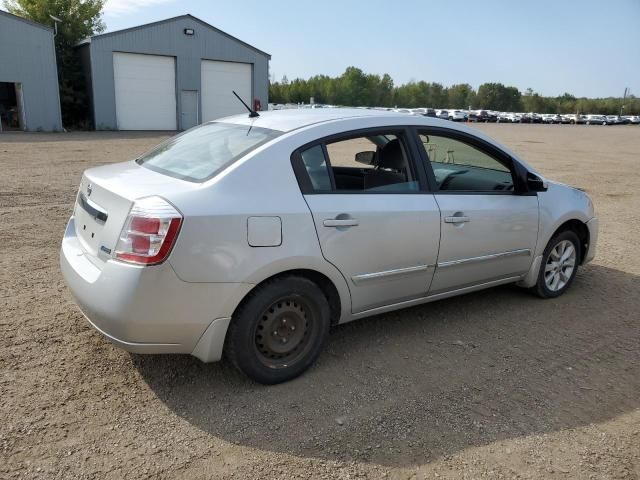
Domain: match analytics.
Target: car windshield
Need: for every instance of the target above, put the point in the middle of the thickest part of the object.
(202, 152)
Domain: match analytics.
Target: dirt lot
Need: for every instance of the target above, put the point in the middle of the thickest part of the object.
(495, 384)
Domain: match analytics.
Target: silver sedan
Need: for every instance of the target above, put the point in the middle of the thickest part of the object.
(251, 236)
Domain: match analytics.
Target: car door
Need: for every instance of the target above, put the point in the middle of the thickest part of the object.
(376, 222)
(489, 224)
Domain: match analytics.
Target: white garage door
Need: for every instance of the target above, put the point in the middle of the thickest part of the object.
(145, 91)
(219, 79)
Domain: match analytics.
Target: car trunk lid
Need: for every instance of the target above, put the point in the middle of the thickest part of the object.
(105, 198)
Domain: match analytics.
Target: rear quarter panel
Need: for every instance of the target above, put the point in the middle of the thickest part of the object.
(213, 245)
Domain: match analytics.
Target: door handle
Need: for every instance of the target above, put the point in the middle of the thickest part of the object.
(341, 222)
(456, 219)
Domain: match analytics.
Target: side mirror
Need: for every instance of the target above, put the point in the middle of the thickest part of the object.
(535, 183)
(365, 157)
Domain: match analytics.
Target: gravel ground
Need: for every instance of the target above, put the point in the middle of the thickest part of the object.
(495, 384)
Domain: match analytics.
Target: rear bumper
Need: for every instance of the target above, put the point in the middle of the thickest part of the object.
(593, 226)
(147, 309)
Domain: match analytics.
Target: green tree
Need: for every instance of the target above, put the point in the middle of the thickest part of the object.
(495, 96)
(385, 91)
(299, 91)
(353, 88)
(80, 19)
(357, 88)
(565, 103)
(460, 96)
(533, 103)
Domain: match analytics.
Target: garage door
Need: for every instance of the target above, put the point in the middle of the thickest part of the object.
(219, 79)
(145, 91)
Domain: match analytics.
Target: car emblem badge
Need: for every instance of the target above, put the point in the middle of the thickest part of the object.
(89, 190)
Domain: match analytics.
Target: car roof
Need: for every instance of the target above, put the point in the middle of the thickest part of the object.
(288, 120)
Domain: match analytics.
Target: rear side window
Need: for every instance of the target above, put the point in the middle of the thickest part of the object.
(377, 163)
(202, 152)
(316, 167)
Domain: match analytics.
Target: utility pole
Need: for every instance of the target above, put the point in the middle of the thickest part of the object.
(624, 98)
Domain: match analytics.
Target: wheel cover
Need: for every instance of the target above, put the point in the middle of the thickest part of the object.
(282, 334)
(560, 265)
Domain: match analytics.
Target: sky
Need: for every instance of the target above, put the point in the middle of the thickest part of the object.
(585, 47)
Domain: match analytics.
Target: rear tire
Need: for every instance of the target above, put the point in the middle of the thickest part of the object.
(279, 330)
(559, 265)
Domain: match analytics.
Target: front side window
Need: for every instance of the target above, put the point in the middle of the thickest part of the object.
(377, 163)
(460, 167)
(202, 152)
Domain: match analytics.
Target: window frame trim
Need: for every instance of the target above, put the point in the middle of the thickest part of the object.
(403, 132)
(517, 171)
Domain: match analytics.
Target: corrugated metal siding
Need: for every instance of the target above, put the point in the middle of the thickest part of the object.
(169, 39)
(27, 56)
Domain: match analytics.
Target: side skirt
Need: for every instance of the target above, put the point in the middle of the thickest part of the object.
(431, 298)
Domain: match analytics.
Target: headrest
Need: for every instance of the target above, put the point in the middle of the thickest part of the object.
(392, 156)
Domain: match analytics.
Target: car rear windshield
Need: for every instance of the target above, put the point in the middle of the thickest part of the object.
(202, 152)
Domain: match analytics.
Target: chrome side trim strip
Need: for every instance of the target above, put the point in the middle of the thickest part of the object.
(513, 253)
(364, 277)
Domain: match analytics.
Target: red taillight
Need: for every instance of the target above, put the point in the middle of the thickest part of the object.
(149, 232)
(145, 225)
(140, 243)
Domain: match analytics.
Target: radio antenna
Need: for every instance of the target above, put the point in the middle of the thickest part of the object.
(252, 113)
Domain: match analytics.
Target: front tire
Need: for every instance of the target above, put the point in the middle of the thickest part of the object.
(279, 330)
(559, 265)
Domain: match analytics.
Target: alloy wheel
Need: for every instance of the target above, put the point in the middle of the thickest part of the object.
(560, 265)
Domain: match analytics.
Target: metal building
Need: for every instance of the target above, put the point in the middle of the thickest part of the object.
(29, 97)
(171, 75)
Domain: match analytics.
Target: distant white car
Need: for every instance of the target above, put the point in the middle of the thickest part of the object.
(633, 119)
(596, 120)
(456, 115)
(551, 118)
(253, 235)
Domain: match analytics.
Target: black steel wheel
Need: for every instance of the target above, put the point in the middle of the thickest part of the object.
(279, 329)
(282, 332)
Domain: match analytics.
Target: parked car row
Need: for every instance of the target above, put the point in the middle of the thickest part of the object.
(491, 116)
